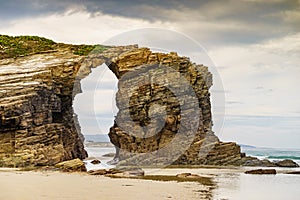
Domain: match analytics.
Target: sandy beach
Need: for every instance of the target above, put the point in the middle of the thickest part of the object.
(16, 185)
(229, 183)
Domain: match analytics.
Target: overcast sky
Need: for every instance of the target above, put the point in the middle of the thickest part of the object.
(253, 44)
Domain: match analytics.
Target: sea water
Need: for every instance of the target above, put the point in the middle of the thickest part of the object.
(233, 185)
(273, 154)
(237, 186)
(97, 153)
(240, 186)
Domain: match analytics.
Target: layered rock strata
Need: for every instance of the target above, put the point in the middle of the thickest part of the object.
(155, 109)
(38, 125)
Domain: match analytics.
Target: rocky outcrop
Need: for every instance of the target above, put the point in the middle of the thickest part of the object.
(156, 108)
(36, 108)
(75, 165)
(252, 162)
(286, 163)
(37, 122)
(38, 125)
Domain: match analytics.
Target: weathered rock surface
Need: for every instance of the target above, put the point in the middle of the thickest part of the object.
(140, 139)
(286, 163)
(261, 171)
(39, 127)
(119, 172)
(75, 165)
(37, 123)
(252, 162)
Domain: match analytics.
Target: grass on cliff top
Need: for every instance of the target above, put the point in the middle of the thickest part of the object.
(19, 46)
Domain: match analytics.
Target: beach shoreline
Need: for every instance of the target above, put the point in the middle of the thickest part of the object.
(16, 184)
(229, 183)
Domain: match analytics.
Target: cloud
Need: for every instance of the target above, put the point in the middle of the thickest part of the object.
(262, 77)
(288, 45)
(76, 27)
(211, 22)
(265, 131)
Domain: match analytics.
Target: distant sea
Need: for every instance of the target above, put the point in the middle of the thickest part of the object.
(96, 138)
(272, 154)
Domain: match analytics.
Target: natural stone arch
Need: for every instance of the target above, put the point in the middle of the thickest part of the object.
(38, 124)
(37, 121)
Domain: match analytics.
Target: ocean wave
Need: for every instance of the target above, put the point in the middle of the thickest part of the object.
(284, 157)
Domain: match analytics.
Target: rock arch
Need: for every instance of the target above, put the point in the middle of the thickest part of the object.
(37, 122)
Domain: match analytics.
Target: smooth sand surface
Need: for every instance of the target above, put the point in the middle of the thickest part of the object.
(229, 184)
(20, 185)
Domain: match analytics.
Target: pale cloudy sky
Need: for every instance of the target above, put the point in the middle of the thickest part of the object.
(254, 45)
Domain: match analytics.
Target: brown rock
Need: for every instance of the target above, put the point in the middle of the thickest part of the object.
(294, 172)
(97, 172)
(255, 162)
(125, 172)
(183, 175)
(38, 125)
(143, 136)
(188, 175)
(286, 163)
(261, 171)
(95, 162)
(72, 165)
(267, 163)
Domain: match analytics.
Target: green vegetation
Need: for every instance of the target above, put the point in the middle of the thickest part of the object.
(11, 47)
(19, 46)
(84, 50)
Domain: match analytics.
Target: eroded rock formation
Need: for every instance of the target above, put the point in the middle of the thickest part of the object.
(155, 109)
(38, 125)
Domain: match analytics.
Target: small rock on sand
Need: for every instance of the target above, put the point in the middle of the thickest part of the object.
(95, 162)
(261, 171)
(295, 172)
(187, 175)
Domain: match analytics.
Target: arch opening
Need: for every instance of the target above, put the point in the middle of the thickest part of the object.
(96, 108)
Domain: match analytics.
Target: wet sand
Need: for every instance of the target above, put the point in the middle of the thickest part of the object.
(229, 184)
(17, 185)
